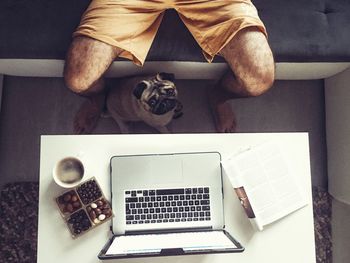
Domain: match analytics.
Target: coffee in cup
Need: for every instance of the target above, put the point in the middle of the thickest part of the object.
(68, 172)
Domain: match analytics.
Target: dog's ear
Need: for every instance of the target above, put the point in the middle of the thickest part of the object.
(166, 76)
(138, 90)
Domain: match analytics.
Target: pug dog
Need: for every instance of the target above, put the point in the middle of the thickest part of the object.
(151, 99)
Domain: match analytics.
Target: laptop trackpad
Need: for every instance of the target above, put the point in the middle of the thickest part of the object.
(167, 171)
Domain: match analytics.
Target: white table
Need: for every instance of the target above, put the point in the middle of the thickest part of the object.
(288, 240)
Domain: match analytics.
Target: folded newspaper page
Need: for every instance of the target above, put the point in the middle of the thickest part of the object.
(264, 184)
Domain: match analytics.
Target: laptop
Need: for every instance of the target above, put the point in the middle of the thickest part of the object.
(167, 204)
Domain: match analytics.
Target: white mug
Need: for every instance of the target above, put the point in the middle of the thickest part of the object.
(68, 172)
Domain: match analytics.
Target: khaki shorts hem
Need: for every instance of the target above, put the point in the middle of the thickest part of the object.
(126, 53)
(253, 22)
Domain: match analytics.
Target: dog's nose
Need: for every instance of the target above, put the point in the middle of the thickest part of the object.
(164, 106)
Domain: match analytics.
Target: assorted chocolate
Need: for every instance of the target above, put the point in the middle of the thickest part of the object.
(84, 207)
(99, 211)
(89, 191)
(69, 202)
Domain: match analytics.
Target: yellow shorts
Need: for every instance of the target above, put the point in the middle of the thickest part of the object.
(132, 24)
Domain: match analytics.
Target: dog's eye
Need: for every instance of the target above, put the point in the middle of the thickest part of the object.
(152, 102)
(170, 92)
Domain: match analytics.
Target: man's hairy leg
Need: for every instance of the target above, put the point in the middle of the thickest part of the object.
(87, 60)
(251, 74)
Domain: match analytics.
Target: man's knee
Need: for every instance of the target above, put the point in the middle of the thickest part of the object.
(259, 81)
(76, 82)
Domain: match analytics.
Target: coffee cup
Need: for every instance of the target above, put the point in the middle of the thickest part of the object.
(68, 172)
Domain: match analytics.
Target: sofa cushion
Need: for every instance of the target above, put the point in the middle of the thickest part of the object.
(299, 30)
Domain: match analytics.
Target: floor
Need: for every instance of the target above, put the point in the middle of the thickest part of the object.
(36, 106)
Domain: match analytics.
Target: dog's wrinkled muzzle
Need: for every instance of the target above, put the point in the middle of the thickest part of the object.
(164, 106)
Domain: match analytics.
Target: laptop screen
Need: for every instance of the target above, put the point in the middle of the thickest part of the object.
(154, 243)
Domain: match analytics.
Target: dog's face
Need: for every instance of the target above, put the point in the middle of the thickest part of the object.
(157, 94)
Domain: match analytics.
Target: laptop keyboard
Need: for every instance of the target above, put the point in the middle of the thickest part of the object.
(167, 205)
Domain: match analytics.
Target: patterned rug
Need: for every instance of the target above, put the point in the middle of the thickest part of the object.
(19, 223)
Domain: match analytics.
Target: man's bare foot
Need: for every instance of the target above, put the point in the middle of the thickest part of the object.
(88, 115)
(224, 117)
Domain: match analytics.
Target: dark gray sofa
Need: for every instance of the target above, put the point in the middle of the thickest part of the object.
(310, 39)
(299, 30)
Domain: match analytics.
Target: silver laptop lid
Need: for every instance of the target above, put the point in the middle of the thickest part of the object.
(173, 176)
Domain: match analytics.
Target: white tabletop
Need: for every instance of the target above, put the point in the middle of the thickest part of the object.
(288, 240)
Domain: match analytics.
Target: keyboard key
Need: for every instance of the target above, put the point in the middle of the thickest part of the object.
(200, 190)
(138, 205)
(198, 208)
(170, 191)
(151, 210)
(177, 220)
(131, 199)
(193, 197)
(147, 221)
(184, 214)
(185, 203)
(190, 214)
(183, 219)
(171, 220)
(201, 214)
(127, 192)
(182, 197)
(205, 202)
(161, 204)
(133, 211)
(151, 192)
(143, 217)
(195, 214)
(160, 216)
(187, 208)
(149, 216)
(200, 196)
(188, 191)
(129, 217)
(175, 209)
(139, 191)
(206, 190)
(179, 203)
(205, 207)
(178, 215)
(169, 209)
(205, 196)
(133, 193)
(153, 221)
(191, 202)
(137, 217)
(193, 208)
(181, 209)
(196, 202)
(173, 203)
(195, 219)
(170, 198)
(172, 215)
(150, 205)
(132, 205)
(167, 203)
(128, 222)
(144, 205)
(207, 213)
(194, 190)
(145, 193)
(145, 210)
(139, 211)
(153, 199)
(155, 204)
(141, 222)
(188, 197)
(163, 210)
(159, 198)
(165, 220)
(128, 212)
(146, 199)
(164, 198)
(201, 218)
(176, 197)
(207, 218)
(155, 216)
(159, 221)
(158, 210)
